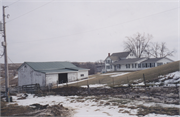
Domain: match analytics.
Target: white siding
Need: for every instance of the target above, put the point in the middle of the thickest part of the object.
(123, 68)
(108, 64)
(51, 78)
(82, 72)
(26, 75)
(164, 61)
(131, 55)
(72, 77)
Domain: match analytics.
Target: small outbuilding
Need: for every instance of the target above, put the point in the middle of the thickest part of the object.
(46, 73)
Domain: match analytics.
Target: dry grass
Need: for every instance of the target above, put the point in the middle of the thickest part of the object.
(143, 110)
(10, 110)
(150, 74)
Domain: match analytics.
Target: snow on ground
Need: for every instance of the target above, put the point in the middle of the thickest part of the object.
(15, 77)
(96, 85)
(163, 79)
(119, 74)
(169, 79)
(115, 74)
(88, 107)
(109, 73)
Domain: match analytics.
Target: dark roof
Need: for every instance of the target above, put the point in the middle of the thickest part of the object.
(119, 55)
(48, 67)
(128, 61)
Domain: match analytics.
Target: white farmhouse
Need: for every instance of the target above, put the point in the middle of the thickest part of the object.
(127, 61)
(46, 73)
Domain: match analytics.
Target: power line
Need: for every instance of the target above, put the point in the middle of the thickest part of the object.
(30, 11)
(101, 27)
(2, 55)
(13, 3)
(10, 60)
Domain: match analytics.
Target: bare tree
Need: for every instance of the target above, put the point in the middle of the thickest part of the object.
(154, 49)
(138, 44)
(160, 50)
(141, 46)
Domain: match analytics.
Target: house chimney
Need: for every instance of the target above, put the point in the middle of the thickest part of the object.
(108, 54)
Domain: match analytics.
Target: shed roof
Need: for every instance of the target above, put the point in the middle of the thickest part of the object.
(49, 67)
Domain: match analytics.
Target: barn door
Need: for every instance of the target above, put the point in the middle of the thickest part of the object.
(62, 78)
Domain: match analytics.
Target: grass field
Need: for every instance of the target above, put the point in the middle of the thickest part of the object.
(150, 74)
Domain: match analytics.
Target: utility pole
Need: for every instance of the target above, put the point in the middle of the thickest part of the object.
(5, 56)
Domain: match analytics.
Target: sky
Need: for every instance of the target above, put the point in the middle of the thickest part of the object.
(85, 30)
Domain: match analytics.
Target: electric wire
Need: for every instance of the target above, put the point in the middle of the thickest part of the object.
(13, 3)
(10, 60)
(100, 28)
(30, 11)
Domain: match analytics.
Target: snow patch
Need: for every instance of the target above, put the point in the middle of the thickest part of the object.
(119, 74)
(15, 77)
(96, 85)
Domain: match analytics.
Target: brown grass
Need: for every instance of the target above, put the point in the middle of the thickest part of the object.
(150, 74)
(10, 110)
(143, 110)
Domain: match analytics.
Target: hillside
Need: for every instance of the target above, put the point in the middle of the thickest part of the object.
(150, 75)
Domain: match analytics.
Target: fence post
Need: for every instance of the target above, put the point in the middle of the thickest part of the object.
(88, 87)
(144, 80)
(128, 81)
(177, 90)
(145, 86)
(18, 89)
(113, 82)
(67, 84)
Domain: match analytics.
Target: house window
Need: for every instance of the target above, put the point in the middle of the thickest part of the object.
(108, 61)
(143, 65)
(131, 54)
(152, 64)
(127, 65)
(132, 65)
(158, 64)
(82, 75)
(139, 65)
(118, 66)
(108, 67)
(135, 65)
(148, 64)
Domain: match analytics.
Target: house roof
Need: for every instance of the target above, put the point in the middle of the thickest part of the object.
(135, 60)
(49, 67)
(119, 55)
(153, 60)
(128, 61)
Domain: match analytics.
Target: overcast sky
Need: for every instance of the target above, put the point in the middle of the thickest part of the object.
(76, 30)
